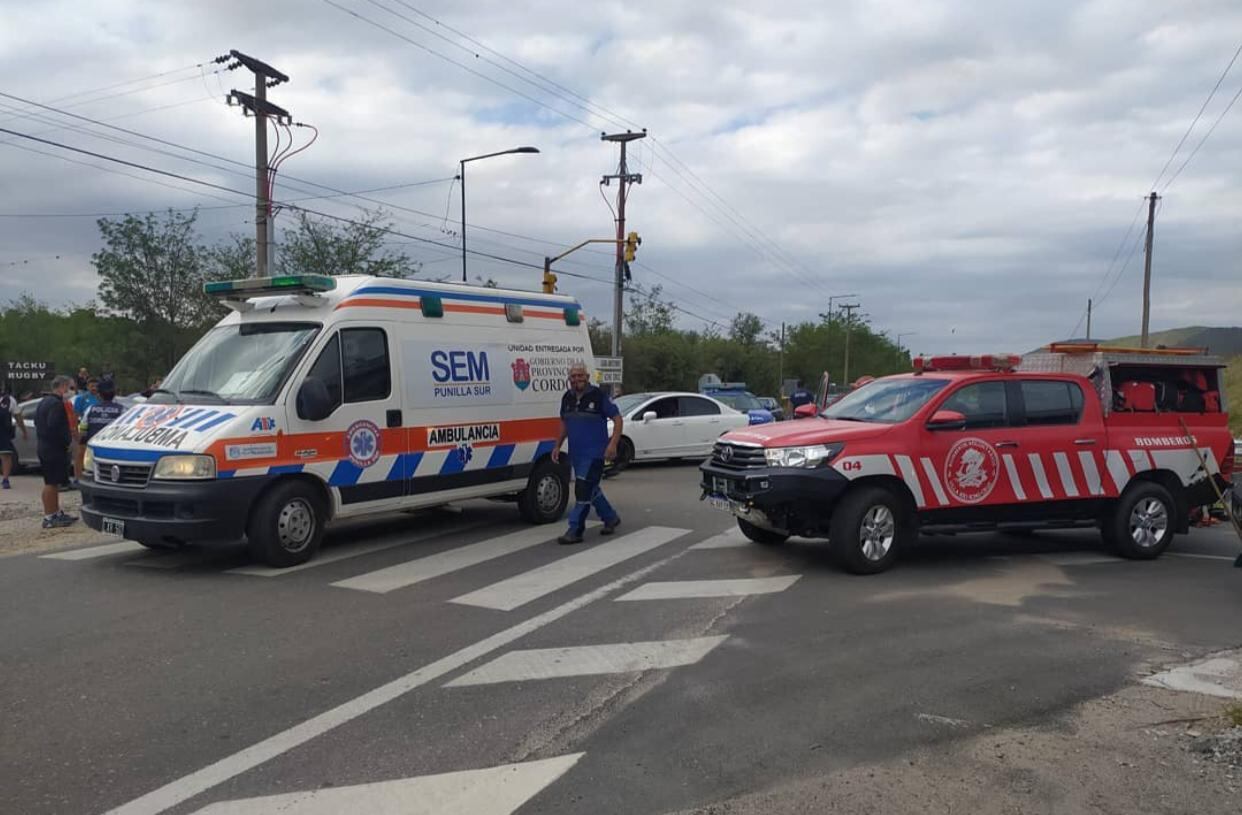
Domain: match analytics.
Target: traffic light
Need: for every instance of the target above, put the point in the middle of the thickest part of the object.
(632, 242)
(549, 282)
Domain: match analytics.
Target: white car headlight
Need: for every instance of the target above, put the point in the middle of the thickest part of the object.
(88, 462)
(185, 468)
(815, 455)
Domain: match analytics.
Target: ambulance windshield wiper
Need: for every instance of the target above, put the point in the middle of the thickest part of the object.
(211, 394)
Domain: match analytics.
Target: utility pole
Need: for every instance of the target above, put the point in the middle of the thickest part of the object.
(624, 178)
(780, 375)
(1151, 228)
(1088, 318)
(849, 321)
(265, 76)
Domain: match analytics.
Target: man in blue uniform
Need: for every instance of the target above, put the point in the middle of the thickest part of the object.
(800, 396)
(585, 411)
(101, 414)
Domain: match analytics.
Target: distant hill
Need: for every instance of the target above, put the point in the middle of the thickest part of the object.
(1225, 342)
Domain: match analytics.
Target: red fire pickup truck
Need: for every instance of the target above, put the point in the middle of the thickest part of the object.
(1073, 435)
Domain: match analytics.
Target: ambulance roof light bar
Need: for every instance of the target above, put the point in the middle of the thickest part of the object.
(981, 362)
(249, 287)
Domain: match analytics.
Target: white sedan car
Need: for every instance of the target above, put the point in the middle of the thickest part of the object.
(672, 425)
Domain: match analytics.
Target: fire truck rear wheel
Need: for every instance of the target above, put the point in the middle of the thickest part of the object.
(869, 528)
(1143, 522)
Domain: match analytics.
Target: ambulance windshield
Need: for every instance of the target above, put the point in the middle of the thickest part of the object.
(238, 364)
(885, 400)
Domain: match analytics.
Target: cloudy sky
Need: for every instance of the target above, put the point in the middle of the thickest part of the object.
(967, 169)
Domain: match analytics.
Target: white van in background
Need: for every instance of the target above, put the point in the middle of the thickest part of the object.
(320, 398)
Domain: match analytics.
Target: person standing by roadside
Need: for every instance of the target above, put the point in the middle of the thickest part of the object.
(53, 436)
(585, 411)
(99, 415)
(82, 379)
(800, 396)
(83, 402)
(9, 414)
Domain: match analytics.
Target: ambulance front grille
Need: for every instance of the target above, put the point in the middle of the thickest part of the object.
(122, 474)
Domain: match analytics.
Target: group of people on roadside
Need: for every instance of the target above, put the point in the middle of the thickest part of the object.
(70, 413)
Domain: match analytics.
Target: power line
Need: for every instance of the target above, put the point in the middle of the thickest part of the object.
(1195, 121)
(1206, 135)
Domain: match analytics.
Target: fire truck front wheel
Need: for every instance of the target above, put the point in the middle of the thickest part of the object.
(1143, 522)
(869, 527)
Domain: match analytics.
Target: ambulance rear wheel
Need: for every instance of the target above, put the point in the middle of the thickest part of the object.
(546, 494)
(286, 525)
(869, 528)
(1143, 522)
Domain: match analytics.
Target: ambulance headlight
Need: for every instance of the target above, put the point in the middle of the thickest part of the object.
(815, 455)
(185, 468)
(88, 461)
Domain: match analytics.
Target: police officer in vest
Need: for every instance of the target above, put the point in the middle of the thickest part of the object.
(102, 413)
(585, 411)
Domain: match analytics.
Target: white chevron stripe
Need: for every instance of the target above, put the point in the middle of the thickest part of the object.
(377, 471)
(1041, 478)
(1117, 470)
(1067, 474)
(1142, 462)
(589, 660)
(1015, 480)
(929, 470)
(911, 477)
(491, 791)
(1090, 472)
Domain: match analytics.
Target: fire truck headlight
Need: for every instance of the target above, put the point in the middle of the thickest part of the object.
(816, 455)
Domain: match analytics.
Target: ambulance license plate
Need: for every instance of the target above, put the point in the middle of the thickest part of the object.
(112, 526)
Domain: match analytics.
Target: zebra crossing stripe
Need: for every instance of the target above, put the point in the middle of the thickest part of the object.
(490, 791)
(401, 575)
(523, 588)
(589, 660)
(683, 589)
(97, 551)
(728, 539)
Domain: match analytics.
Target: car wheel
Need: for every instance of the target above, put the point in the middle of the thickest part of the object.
(286, 525)
(869, 528)
(546, 494)
(1142, 524)
(760, 535)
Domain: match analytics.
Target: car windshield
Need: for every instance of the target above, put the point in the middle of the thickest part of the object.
(738, 400)
(630, 401)
(887, 401)
(238, 364)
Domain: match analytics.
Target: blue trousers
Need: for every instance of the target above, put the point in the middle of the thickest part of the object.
(587, 474)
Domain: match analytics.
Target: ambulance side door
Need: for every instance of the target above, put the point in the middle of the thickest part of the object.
(359, 448)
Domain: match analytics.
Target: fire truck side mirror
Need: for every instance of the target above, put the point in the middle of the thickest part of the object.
(947, 420)
(805, 412)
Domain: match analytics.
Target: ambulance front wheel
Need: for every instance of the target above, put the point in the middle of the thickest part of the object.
(286, 525)
(546, 494)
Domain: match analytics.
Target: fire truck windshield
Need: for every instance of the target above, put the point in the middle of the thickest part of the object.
(887, 401)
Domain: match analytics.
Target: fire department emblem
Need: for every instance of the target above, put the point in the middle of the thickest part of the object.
(362, 443)
(971, 470)
(521, 373)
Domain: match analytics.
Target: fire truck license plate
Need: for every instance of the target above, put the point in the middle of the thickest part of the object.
(719, 503)
(111, 526)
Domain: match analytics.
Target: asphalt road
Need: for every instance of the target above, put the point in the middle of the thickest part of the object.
(461, 662)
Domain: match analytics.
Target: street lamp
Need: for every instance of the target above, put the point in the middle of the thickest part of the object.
(462, 177)
(901, 350)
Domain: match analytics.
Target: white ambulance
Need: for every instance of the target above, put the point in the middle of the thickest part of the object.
(320, 398)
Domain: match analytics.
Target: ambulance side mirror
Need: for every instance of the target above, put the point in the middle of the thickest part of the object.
(947, 420)
(806, 412)
(649, 416)
(314, 401)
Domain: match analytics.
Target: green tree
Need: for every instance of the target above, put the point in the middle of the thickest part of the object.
(746, 329)
(326, 247)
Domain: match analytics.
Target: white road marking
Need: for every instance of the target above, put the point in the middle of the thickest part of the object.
(401, 575)
(339, 553)
(523, 588)
(728, 539)
(681, 589)
(1219, 675)
(491, 791)
(98, 551)
(1229, 558)
(911, 477)
(182, 789)
(930, 471)
(1014, 480)
(1041, 478)
(589, 660)
(1117, 469)
(1080, 559)
(1090, 472)
(1067, 474)
(932, 718)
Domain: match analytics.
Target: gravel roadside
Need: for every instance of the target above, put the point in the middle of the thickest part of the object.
(21, 516)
